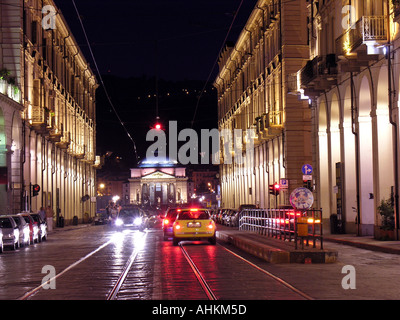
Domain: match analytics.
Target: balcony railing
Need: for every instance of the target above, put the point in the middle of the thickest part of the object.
(10, 90)
(366, 29)
(320, 66)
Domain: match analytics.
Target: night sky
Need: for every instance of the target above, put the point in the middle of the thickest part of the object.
(176, 40)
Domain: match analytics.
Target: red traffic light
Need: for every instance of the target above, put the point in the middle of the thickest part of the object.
(157, 126)
(274, 189)
(35, 190)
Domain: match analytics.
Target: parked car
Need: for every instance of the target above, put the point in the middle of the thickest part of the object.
(220, 215)
(10, 232)
(101, 217)
(247, 206)
(1, 241)
(234, 222)
(23, 230)
(33, 228)
(42, 226)
(226, 217)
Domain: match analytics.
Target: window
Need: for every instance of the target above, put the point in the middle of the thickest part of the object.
(5, 223)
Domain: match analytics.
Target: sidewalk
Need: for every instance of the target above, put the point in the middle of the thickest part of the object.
(279, 251)
(365, 242)
(69, 227)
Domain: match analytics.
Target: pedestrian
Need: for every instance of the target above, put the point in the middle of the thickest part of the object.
(114, 212)
(49, 216)
(42, 213)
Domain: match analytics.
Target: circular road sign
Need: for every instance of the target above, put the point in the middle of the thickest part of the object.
(301, 198)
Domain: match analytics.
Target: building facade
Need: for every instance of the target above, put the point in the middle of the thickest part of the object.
(47, 113)
(158, 182)
(252, 94)
(352, 80)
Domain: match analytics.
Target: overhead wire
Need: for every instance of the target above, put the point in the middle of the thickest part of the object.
(102, 82)
(215, 62)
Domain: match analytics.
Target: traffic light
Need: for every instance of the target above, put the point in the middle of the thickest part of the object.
(271, 189)
(277, 188)
(157, 124)
(35, 190)
(308, 184)
(274, 189)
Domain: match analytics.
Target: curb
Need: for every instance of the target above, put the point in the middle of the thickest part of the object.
(70, 227)
(366, 246)
(277, 255)
(267, 253)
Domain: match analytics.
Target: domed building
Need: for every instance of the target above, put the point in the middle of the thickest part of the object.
(158, 181)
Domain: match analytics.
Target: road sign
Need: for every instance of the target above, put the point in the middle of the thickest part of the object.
(284, 183)
(301, 198)
(307, 169)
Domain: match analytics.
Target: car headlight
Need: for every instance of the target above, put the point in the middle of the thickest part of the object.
(119, 222)
(137, 221)
(16, 233)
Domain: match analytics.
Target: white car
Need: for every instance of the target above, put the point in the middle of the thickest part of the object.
(10, 232)
(24, 231)
(1, 241)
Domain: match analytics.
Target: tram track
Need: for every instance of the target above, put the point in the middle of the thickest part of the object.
(213, 284)
(208, 290)
(118, 285)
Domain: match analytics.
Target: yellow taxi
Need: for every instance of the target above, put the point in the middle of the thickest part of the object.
(193, 224)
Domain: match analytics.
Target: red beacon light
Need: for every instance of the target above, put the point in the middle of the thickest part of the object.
(157, 126)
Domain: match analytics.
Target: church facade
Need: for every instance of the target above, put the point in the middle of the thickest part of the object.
(157, 183)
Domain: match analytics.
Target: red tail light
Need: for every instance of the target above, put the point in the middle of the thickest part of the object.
(211, 226)
(177, 226)
(166, 221)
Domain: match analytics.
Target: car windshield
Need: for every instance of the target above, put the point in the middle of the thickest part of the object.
(5, 223)
(35, 218)
(26, 219)
(172, 214)
(17, 220)
(129, 213)
(198, 215)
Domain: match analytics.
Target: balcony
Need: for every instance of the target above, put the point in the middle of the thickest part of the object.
(360, 44)
(56, 133)
(99, 162)
(40, 120)
(268, 125)
(318, 75)
(65, 141)
(80, 152)
(396, 10)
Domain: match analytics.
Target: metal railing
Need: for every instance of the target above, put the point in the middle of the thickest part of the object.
(285, 224)
(367, 28)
